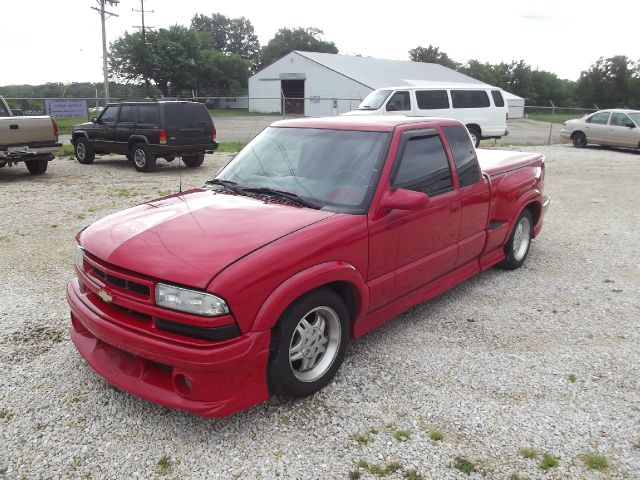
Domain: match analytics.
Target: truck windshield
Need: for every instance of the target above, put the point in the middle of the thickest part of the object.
(374, 100)
(336, 170)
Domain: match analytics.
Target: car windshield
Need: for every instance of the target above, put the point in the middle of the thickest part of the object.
(335, 170)
(374, 100)
(636, 117)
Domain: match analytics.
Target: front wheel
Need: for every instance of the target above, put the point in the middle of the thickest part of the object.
(83, 151)
(193, 161)
(308, 344)
(517, 248)
(37, 167)
(142, 159)
(579, 140)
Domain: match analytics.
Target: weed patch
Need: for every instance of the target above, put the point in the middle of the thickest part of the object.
(595, 462)
(548, 461)
(464, 465)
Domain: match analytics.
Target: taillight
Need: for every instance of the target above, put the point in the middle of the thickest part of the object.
(55, 128)
(213, 134)
(163, 136)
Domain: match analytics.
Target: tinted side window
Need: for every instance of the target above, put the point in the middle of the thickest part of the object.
(498, 101)
(464, 155)
(400, 101)
(432, 99)
(109, 114)
(148, 114)
(186, 115)
(620, 120)
(424, 167)
(469, 98)
(599, 118)
(127, 113)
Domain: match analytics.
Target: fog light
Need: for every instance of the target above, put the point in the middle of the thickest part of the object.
(182, 383)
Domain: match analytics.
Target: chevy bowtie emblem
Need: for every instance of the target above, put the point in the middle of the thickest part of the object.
(105, 296)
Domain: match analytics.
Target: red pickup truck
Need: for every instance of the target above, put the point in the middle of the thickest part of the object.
(316, 232)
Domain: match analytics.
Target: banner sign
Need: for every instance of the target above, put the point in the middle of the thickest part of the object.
(66, 107)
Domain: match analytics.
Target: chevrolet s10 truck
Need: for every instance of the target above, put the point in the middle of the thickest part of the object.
(315, 233)
(32, 140)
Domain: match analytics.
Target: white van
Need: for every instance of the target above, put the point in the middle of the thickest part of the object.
(482, 109)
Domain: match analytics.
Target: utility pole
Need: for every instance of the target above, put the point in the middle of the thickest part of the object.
(142, 11)
(103, 16)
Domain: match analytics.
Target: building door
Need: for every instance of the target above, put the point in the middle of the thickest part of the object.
(292, 96)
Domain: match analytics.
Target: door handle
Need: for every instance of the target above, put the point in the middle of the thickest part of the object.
(14, 126)
(455, 206)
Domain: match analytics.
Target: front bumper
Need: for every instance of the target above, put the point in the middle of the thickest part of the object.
(211, 381)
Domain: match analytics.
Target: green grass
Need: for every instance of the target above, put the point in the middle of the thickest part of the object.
(464, 465)
(237, 112)
(595, 462)
(401, 435)
(413, 475)
(65, 150)
(528, 453)
(572, 378)
(126, 193)
(164, 465)
(379, 470)
(555, 118)
(65, 124)
(436, 436)
(354, 475)
(230, 147)
(548, 461)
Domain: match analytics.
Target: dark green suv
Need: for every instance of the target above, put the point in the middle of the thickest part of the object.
(146, 130)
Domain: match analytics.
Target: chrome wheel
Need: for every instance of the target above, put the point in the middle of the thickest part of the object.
(314, 344)
(521, 238)
(81, 151)
(139, 157)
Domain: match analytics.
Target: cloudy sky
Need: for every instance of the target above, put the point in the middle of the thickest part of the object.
(60, 41)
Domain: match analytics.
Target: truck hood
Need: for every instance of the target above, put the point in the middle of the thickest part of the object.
(189, 238)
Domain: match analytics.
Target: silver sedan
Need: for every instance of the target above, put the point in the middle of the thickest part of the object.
(615, 128)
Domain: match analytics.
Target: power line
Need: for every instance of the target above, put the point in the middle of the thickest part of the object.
(103, 17)
(145, 73)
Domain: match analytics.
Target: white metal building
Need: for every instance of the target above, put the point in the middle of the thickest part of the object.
(324, 84)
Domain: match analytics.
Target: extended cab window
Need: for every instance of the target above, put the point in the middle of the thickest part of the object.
(498, 101)
(599, 118)
(432, 99)
(148, 114)
(464, 155)
(469, 98)
(127, 113)
(109, 114)
(400, 101)
(424, 166)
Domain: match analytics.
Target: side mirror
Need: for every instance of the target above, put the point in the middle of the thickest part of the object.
(631, 125)
(402, 199)
(94, 120)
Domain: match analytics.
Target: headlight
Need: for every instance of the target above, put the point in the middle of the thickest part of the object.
(190, 301)
(79, 258)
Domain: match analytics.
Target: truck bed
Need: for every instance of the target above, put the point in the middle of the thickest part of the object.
(496, 162)
(19, 131)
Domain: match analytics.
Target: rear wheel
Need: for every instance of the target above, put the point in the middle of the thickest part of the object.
(579, 140)
(517, 248)
(37, 167)
(308, 344)
(475, 136)
(83, 150)
(193, 160)
(142, 159)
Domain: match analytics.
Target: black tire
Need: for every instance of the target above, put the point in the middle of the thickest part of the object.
(517, 248)
(579, 140)
(142, 159)
(475, 136)
(84, 151)
(193, 161)
(328, 321)
(129, 157)
(37, 167)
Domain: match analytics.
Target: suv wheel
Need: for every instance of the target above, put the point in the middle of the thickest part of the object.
(193, 160)
(83, 150)
(142, 159)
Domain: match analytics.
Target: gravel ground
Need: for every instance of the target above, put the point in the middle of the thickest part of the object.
(546, 357)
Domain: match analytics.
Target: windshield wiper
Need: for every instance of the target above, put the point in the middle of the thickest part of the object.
(280, 193)
(228, 184)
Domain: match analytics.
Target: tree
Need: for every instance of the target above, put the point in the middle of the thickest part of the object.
(177, 59)
(610, 82)
(287, 40)
(230, 35)
(432, 54)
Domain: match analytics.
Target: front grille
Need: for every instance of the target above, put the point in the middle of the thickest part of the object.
(122, 283)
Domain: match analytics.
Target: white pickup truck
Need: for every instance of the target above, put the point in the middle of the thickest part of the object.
(32, 140)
